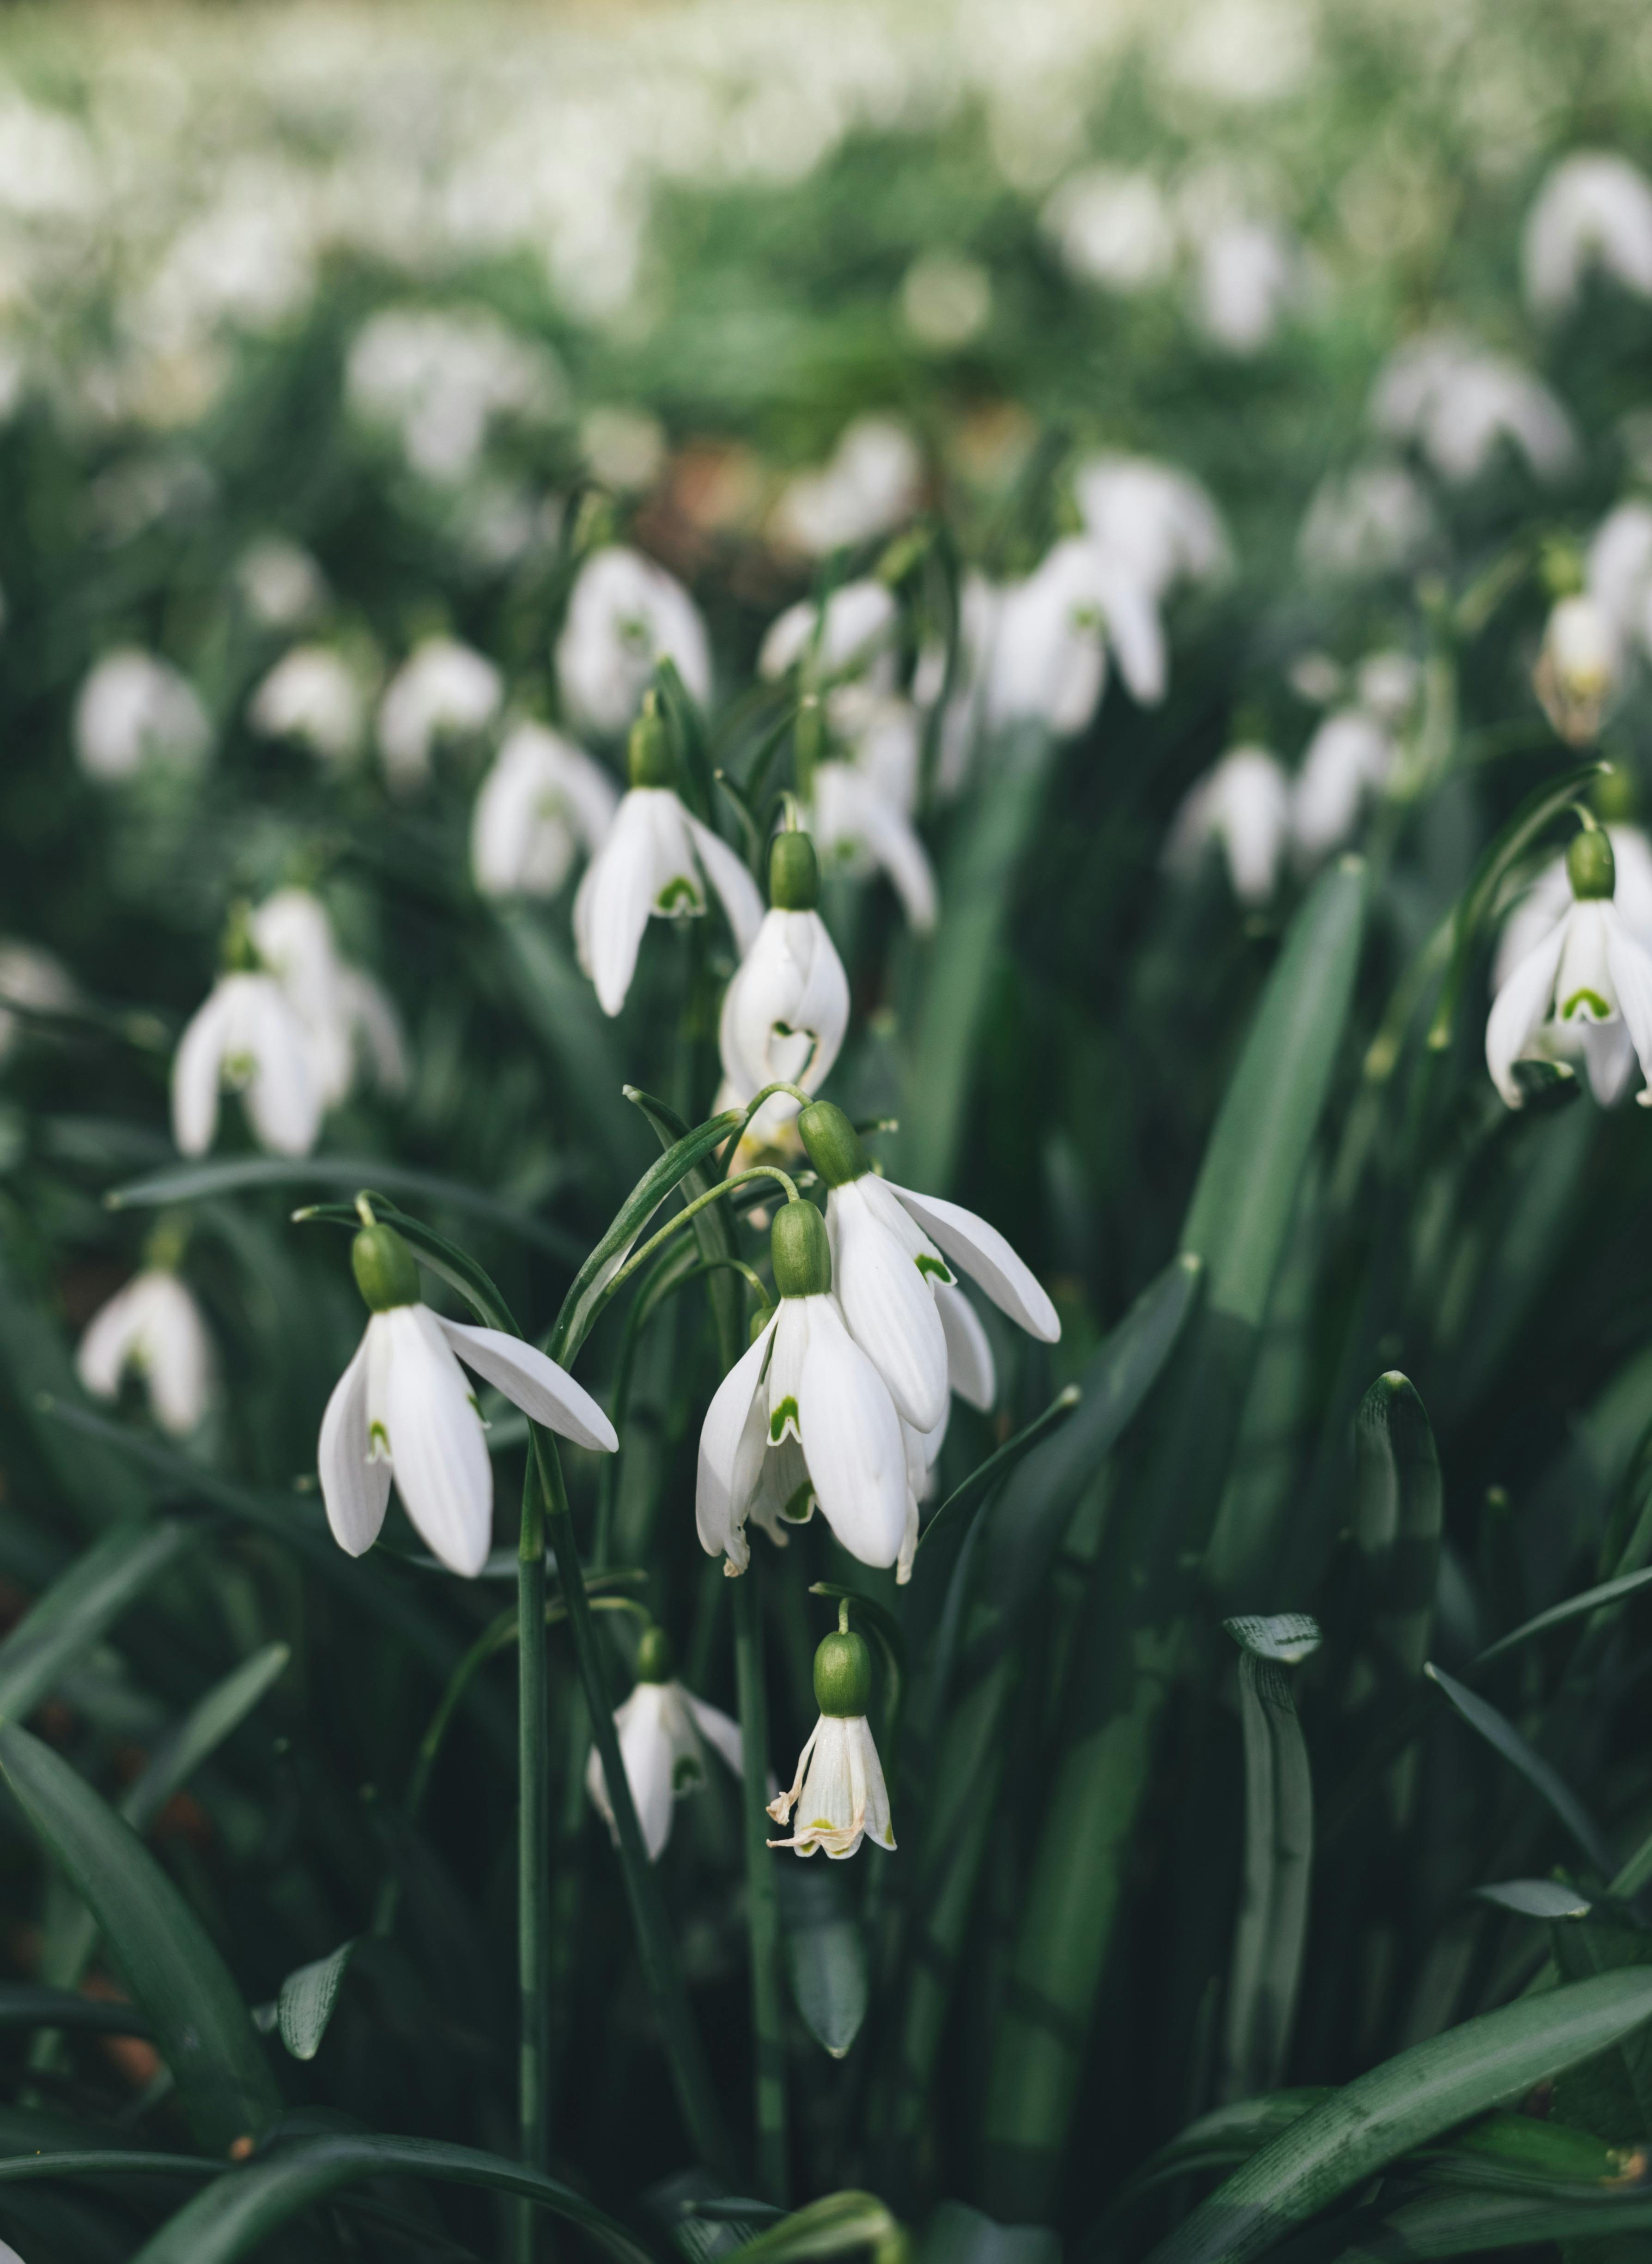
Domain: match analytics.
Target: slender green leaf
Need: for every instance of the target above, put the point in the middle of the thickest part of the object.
(1398, 1512)
(1408, 2099)
(713, 1228)
(69, 1619)
(308, 1997)
(175, 1974)
(1271, 1931)
(1610, 1592)
(951, 1521)
(957, 2234)
(24, 2005)
(201, 1731)
(1469, 2223)
(825, 1954)
(830, 2226)
(1505, 1738)
(102, 2162)
(1544, 1899)
(1216, 2141)
(560, 1009)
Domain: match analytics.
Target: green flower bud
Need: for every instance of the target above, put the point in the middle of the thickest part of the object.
(1591, 866)
(801, 1252)
(386, 1272)
(651, 748)
(843, 1675)
(793, 873)
(833, 1143)
(655, 1660)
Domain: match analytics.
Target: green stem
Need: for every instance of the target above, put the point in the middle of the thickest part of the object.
(661, 1969)
(691, 1211)
(768, 2033)
(534, 1854)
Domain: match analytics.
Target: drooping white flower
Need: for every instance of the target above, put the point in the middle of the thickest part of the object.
(856, 637)
(1157, 520)
(625, 615)
(248, 1036)
(1349, 758)
(1247, 276)
(1594, 210)
(1055, 631)
(1243, 805)
(1617, 570)
(861, 798)
(870, 484)
(659, 862)
(1112, 228)
(1548, 899)
(1386, 684)
(1373, 520)
(443, 690)
(944, 301)
(890, 1253)
(1586, 983)
(542, 802)
(1460, 404)
(132, 710)
(153, 1329)
(281, 585)
(664, 1733)
(34, 982)
(838, 1791)
(786, 1009)
(404, 1407)
(802, 1417)
(439, 377)
(348, 1017)
(1578, 667)
(311, 695)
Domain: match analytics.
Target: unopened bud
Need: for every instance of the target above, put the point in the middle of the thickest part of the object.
(799, 1252)
(843, 1675)
(649, 752)
(386, 1273)
(793, 873)
(833, 1143)
(655, 1660)
(1591, 865)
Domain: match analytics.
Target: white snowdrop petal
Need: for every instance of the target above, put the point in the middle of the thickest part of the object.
(733, 883)
(645, 1747)
(1631, 967)
(985, 1255)
(616, 898)
(851, 1436)
(849, 810)
(197, 1067)
(438, 1446)
(175, 1351)
(722, 1734)
(354, 1490)
(532, 1381)
(283, 1097)
(1518, 1011)
(969, 1363)
(100, 1358)
(888, 1304)
(721, 1487)
(1609, 1058)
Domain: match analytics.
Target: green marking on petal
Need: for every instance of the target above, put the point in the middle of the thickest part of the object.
(1598, 1010)
(686, 1776)
(678, 895)
(937, 1266)
(786, 1411)
(800, 1507)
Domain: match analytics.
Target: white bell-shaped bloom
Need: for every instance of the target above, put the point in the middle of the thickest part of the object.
(784, 1015)
(1460, 404)
(856, 637)
(281, 585)
(1375, 520)
(625, 615)
(152, 1329)
(1112, 228)
(443, 690)
(439, 376)
(1617, 570)
(838, 1791)
(248, 1036)
(311, 695)
(1055, 631)
(1586, 984)
(132, 710)
(1248, 274)
(1578, 669)
(32, 981)
(657, 862)
(1593, 211)
(1349, 759)
(1157, 520)
(1549, 898)
(663, 1732)
(872, 482)
(1244, 806)
(404, 1407)
(543, 802)
(348, 1017)
(857, 828)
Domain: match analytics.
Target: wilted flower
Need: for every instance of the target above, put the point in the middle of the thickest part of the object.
(657, 862)
(543, 801)
(347, 1016)
(787, 1008)
(133, 709)
(311, 694)
(838, 1791)
(1155, 519)
(871, 483)
(1593, 210)
(1112, 228)
(1459, 402)
(281, 586)
(625, 615)
(1349, 759)
(248, 1036)
(1586, 983)
(1245, 806)
(855, 637)
(152, 1329)
(1578, 669)
(1054, 633)
(405, 1407)
(663, 1732)
(443, 690)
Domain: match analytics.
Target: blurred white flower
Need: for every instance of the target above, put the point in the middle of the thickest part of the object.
(1387, 683)
(979, 605)
(444, 689)
(152, 1328)
(856, 636)
(1247, 276)
(624, 447)
(349, 1020)
(872, 482)
(542, 802)
(1373, 520)
(1460, 404)
(838, 1792)
(1055, 630)
(1594, 210)
(1578, 667)
(862, 797)
(663, 1732)
(784, 1016)
(1617, 570)
(35, 981)
(440, 377)
(132, 710)
(1157, 520)
(625, 615)
(1349, 759)
(1548, 899)
(1244, 806)
(311, 695)
(1586, 986)
(247, 1037)
(281, 585)
(1112, 228)
(657, 862)
(946, 300)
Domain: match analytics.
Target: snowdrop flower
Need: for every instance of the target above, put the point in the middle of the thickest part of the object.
(1550, 899)
(871, 483)
(1460, 404)
(855, 636)
(1578, 667)
(1246, 278)
(784, 1012)
(1157, 521)
(861, 797)
(247, 1037)
(1349, 758)
(944, 301)
(1387, 684)
(625, 615)
(440, 377)
(838, 1791)
(1617, 570)
(1055, 630)
(1594, 210)
(657, 862)
(542, 803)
(802, 1417)
(1113, 228)
(311, 695)
(444, 689)
(1370, 521)
(152, 1329)
(405, 1408)
(281, 586)
(132, 710)
(347, 1016)
(1244, 805)
(1588, 980)
(890, 1249)
(33, 981)
(663, 1732)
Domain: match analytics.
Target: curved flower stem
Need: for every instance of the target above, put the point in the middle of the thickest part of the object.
(533, 1853)
(689, 1210)
(768, 1092)
(661, 1969)
(767, 2019)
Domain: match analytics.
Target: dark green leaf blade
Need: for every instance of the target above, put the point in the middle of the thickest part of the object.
(1504, 1738)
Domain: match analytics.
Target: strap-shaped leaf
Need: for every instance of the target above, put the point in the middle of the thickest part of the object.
(68, 1619)
(1544, 1899)
(945, 1530)
(305, 2006)
(825, 1953)
(201, 2024)
(1271, 1931)
(1591, 1599)
(1398, 1512)
(828, 2227)
(1502, 1736)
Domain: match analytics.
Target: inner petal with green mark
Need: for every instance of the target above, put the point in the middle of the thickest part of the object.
(679, 895)
(1594, 1005)
(927, 1264)
(780, 1416)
